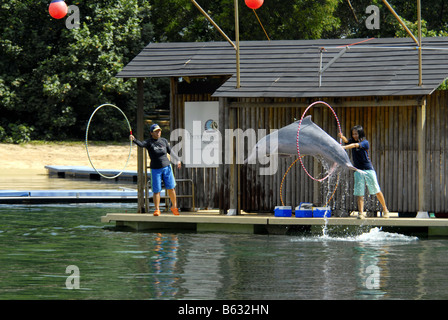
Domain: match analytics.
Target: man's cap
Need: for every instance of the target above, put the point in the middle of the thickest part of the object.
(154, 127)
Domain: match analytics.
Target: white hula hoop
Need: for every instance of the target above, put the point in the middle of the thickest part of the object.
(87, 145)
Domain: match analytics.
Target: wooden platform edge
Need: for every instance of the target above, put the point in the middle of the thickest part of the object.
(259, 223)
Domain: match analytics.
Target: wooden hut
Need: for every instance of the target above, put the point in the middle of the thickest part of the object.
(371, 82)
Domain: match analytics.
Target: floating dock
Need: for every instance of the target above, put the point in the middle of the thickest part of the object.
(66, 196)
(83, 172)
(212, 221)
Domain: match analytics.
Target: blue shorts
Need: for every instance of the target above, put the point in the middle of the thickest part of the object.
(369, 179)
(165, 174)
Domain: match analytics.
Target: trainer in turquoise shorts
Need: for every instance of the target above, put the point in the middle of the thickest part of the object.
(361, 160)
(368, 179)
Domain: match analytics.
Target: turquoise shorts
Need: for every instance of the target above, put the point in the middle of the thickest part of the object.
(369, 179)
(165, 174)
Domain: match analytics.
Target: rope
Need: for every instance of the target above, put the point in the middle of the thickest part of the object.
(283, 180)
(298, 134)
(259, 21)
(286, 173)
(353, 44)
(87, 145)
(334, 191)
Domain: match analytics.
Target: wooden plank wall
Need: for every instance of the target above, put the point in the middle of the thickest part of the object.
(437, 152)
(392, 133)
(205, 179)
(390, 130)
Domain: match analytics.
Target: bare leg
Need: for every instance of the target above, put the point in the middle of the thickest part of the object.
(361, 214)
(156, 199)
(380, 197)
(172, 195)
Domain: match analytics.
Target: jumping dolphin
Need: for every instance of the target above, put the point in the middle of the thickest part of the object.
(313, 141)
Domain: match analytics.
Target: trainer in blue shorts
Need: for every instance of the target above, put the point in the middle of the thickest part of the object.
(360, 154)
(160, 166)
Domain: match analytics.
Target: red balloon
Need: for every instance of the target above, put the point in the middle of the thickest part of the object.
(254, 4)
(58, 9)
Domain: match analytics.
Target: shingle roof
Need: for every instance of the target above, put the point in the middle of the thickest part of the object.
(290, 68)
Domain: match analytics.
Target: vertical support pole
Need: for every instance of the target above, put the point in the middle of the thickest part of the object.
(233, 173)
(141, 179)
(237, 41)
(417, 41)
(420, 58)
(421, 153)
(238, 165)
(237, 36)
(320, 66)
(222, 179)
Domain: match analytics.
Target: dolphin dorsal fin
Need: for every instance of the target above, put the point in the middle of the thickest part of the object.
(306, 121)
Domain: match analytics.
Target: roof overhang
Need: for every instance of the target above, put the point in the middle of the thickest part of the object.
(302, 68)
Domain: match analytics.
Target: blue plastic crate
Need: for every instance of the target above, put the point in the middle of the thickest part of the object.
(321, 212)
(304, 210)
(283, 211)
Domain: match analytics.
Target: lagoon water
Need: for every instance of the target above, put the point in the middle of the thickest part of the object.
(39, 242)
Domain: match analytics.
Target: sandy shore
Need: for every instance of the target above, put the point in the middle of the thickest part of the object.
(33, 157)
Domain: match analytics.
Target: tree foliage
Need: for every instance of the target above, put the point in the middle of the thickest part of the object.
(52, 78)
(180, 20)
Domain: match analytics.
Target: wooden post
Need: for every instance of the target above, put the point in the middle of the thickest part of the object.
(141, 179)
(421, 153)
(237, 41)
(221, 169)
(420, 58)
(233, 178)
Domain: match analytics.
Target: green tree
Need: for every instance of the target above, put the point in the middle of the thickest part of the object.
(352, 14)
(180, 20)
(51, 77)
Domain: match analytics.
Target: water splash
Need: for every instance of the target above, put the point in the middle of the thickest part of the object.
(375, 235)
(329, 189)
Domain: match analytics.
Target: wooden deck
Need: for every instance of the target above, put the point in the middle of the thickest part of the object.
(211, 221)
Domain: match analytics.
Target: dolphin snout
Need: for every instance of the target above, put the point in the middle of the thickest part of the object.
(357, 170)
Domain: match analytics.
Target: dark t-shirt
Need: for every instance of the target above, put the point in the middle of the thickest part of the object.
(360, 155)
(157, 150)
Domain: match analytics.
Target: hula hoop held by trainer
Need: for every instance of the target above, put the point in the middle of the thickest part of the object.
(301, 156)
(87, 144)
(298, 134)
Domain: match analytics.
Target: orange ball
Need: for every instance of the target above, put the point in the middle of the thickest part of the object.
(58, 9)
